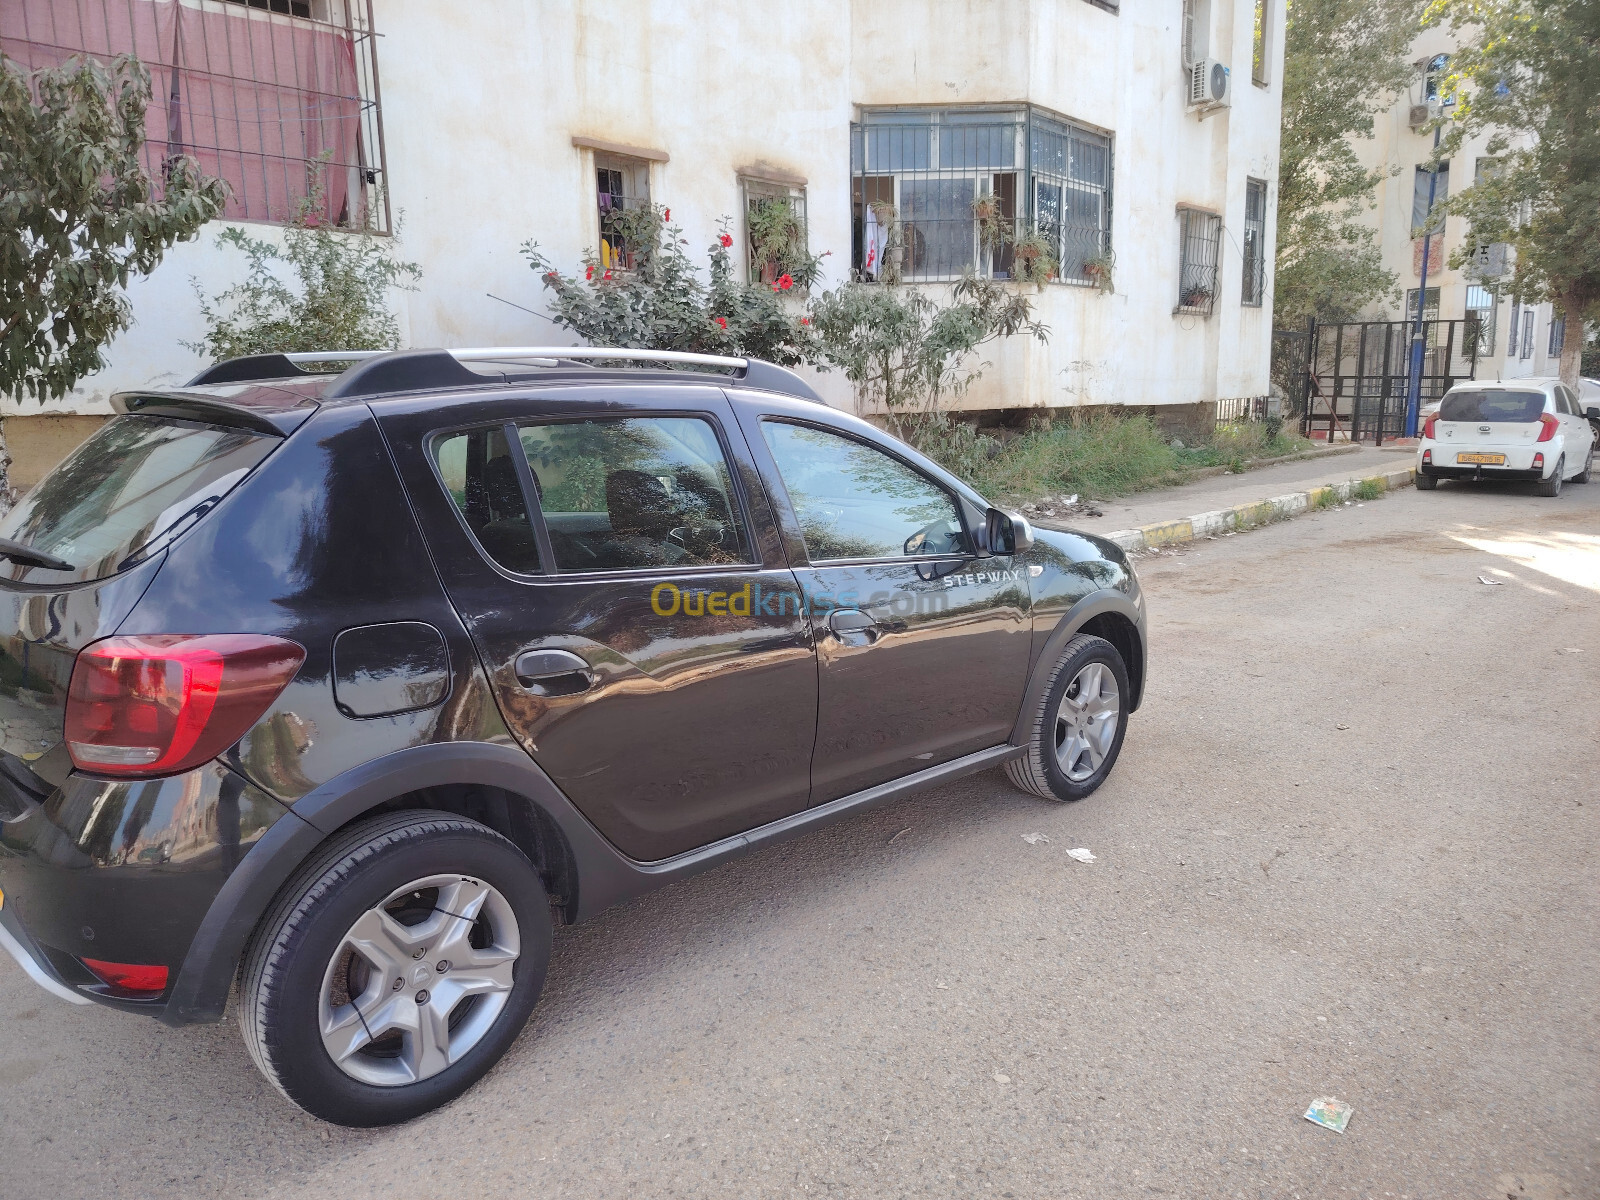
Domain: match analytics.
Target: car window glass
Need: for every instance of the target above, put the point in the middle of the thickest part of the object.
(481, 476)
(855, 501)
(133, 486)
(1567, 405)
(626, 493)
(1492, 405)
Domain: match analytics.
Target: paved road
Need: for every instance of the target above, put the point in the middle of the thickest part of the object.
(1350, 851)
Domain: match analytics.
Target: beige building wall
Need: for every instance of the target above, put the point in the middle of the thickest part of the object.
(1398, 149)
(491, 112)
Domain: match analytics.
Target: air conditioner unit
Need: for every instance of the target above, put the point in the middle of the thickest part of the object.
(1209, 87)
(1419, 116)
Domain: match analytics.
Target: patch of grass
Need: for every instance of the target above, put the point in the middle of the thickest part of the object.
(1368, 489)
(1099, 454)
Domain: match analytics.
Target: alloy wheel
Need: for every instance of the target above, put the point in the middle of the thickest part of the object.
(419, 980)
(1086, 722)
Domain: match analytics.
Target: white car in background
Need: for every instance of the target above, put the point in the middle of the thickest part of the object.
(1522, 429)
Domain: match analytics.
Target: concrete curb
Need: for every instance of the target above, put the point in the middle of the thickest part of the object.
(1248, 516)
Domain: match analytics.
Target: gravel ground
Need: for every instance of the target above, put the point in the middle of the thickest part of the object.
(1349, 851)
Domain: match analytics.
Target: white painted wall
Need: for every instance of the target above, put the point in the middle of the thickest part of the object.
(481, 102)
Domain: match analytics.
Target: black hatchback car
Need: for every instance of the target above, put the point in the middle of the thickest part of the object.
(346, 687)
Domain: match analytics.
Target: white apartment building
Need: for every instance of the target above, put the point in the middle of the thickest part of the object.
(1141, 134)
(1516, 340)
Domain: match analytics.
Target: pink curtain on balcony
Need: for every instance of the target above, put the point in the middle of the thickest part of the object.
(272, 104)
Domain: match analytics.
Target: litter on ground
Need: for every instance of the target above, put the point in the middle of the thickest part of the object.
(1490, 582)
(1080, 855)
(1033, 839)
(1329, 1113)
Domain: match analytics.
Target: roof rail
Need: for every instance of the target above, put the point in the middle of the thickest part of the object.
(377, 372)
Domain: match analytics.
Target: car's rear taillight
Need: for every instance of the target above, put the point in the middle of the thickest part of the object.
(133, 980)
(1427, 456)
(1538, 462)
(1428, 425)
(159, 704)
(1550, 426)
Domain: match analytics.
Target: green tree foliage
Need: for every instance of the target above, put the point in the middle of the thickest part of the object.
(1528, 72)
(79, 216)
(1344, 62)
(903, 349)
(337, 299)
(660, 302)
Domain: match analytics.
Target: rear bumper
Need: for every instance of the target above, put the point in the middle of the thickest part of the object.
(121, 872)
(1485, 474)
(1519, 460)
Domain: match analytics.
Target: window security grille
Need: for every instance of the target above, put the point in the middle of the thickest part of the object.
(1255, 242)
(972, 190)
(759, 194)
(1558, 335)
(1527, 333)
(277, 97)
(1199, 243)
(1481, 309)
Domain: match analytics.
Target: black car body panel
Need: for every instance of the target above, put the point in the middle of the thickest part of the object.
(685, 743)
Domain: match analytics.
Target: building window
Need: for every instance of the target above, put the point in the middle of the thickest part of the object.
(1419, 198)
(1434, 73)
(276, 97)
(1482, 306)
(776, 235)
(1199, 239)
(1430, 315)
(1006, 193)
(1261, 46)
(1255, 242)
(1558, 335)
(622, 187)
(1527, 333)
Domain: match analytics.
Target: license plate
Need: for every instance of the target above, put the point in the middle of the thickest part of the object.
(1496, 460)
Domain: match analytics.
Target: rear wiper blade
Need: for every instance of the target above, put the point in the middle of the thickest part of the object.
(29, 557)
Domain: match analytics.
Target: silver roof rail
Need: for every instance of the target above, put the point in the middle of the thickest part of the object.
(554, 354)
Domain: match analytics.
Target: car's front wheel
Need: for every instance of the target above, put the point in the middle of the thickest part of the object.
(1078, 724)
(396, 969)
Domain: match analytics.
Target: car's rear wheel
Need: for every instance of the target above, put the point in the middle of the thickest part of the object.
(1078, 724)
(1551, 484)
(1588, 467)
(1426, 483)
(396, 969)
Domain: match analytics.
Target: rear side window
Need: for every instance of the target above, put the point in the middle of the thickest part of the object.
(481, 477)
(1519, 407)
(131, 488)
(635, 492)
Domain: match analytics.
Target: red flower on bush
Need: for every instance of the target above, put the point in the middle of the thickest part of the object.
(666, 214)
(723, 321)
(784, 283)
(726, 240)
(588, 272)
(805, 320)
(607, 275)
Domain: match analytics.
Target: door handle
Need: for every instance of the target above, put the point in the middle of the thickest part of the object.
(845, 621)
(553, 672)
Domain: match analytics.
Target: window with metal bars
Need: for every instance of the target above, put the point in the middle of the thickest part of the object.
(1261, 43)
(776, 233)
(1527, 333)
(622, 186)
(1004, 193)
(1481, 308)
(1199, 245)
(279, 98)
(1255, 242)
(1558, 335)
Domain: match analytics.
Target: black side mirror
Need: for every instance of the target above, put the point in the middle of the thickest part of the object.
(1008, 533)
(1594, 413)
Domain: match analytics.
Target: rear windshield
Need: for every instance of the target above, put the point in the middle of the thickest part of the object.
(1492, 406)
(136, 484)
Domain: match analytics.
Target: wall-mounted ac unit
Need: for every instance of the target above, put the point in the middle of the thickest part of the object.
(1419, 116)
(1209, 86)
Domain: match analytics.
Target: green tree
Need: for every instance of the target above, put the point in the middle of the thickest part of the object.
(904, 350)
(1344, 61)
(1528, 73)
(80, 216)
(338, 298)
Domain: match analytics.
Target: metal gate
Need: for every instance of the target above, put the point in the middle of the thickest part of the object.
(1354, 385)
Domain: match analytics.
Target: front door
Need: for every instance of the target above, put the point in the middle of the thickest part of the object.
(623, 627)
(922, 647)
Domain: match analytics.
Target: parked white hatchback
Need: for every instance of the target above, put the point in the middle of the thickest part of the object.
(1522, 429)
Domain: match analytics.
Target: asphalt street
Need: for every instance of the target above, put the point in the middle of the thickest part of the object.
(1350, 851)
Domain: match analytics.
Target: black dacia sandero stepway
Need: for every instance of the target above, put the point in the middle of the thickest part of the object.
(345, 687)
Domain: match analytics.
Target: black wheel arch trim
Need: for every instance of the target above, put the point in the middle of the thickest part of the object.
(1095, 604)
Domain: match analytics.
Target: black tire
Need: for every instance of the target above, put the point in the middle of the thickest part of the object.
(1040, 771)
(1584, 475)
(293, 955)
(1552, 485)
(1426, 483)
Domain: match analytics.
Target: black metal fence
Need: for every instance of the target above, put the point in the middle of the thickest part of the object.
(1354, 384)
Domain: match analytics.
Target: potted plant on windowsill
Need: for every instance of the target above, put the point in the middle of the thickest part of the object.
(1198, 298)
(1033, 259)
(1097, 271)
(991, 227)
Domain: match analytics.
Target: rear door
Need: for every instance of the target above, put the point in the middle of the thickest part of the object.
(1490, 426)
(98, 523)
(629, 627)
